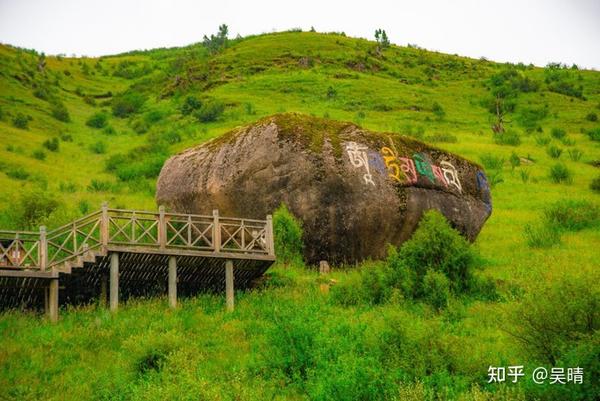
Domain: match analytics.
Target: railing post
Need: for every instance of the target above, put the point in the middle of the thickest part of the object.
(269, 237)
(104, 226)
(162, 228)
(43, 249)
(216, 232)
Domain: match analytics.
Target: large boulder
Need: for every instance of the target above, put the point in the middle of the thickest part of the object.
(356, 191)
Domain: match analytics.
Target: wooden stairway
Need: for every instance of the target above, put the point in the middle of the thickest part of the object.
(146, 251)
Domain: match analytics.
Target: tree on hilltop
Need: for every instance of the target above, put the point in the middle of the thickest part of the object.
(217, 42)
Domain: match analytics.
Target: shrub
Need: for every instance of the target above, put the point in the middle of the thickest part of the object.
(33, 208)
(210, 111)
(515, 160)
(127, 103)
(491, 162)
(595, 184)
(594, 134)
(438, 110)
(437, 246)
(287, 231)
(559, 173)
(575, 154)
(542, 140)
(524, 174)
(250, 109)
(567, 141)
(53, 145)
(559, 314)
(21, 121)
(97, 120)
(98, 148)
(591, 116)
(572, 215)
(541, 235)
(331, 92)
(18, 173)
(60, 112)
(39, 154)
(509, 137)
(109, 130)
(190, 104)
(436, 289)
(558, 133)
(554, 151)
(99, 186)
(140, 126)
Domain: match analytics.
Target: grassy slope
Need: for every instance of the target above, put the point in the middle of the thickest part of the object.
(271, 73)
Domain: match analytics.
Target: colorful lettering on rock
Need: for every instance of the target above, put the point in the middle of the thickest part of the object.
(404, 170)
(358, 158)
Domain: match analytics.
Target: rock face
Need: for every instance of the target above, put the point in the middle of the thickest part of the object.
(354, 190)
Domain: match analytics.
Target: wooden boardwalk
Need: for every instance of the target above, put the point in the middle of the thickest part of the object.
(115, 253)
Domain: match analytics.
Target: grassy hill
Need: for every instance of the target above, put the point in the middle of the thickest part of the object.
(77, 131)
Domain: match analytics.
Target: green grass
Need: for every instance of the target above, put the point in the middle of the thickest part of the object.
(204, 353)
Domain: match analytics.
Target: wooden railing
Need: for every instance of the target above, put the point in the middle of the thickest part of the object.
(137, 230)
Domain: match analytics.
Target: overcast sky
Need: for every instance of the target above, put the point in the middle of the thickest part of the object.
(529, 31)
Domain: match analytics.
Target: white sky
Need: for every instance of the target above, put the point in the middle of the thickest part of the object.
(530, 31)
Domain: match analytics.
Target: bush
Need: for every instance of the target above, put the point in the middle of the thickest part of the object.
(595, 184)
(99, 186)
(436, 289)
(575, 154)
(39, 154)
(510, 138)
(21, 121)
(557, 316)
(554, 151)
(18, 173)
(558, 133)
(190, 104)
(515, 160)
(435, 245)
(127, 103)
(438, 110)
(559, 173)
(98, 148)
(542, 140)
(572, 215)
(591, 116)
(210, 111)
(541, 235)
(53, 145)
(594, 134)
(491, 162)
(60, 112)
(97, 120)
(33, 208)
(287, 231)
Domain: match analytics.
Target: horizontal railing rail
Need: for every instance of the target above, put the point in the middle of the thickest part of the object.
(141, 230)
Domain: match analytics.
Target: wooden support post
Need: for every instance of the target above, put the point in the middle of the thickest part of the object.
(229, 285)
(46, 302)
(269, 236)
(162, 228)
(53, 300)
(172, 281)
(104, 226)
(216, 232)
(103, 289)
(114, 281)
(43, 250)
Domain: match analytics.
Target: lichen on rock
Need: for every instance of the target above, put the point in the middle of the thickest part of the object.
(356, 191)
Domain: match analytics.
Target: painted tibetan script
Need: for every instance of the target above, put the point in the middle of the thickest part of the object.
(359, 159)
